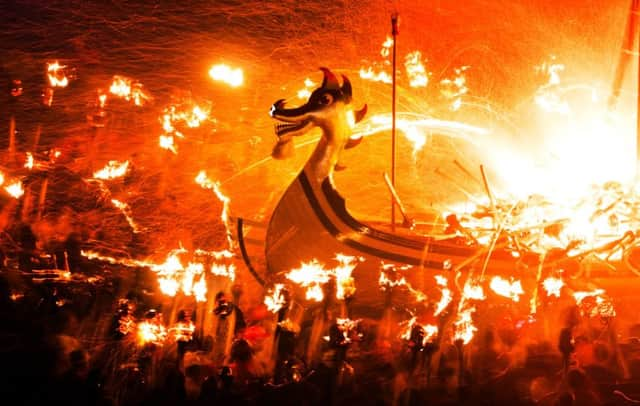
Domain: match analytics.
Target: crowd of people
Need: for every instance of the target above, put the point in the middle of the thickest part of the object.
(74, 342)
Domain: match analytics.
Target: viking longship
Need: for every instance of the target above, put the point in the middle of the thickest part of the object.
(312, 222)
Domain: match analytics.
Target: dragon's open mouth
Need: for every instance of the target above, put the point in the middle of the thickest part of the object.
(285, 128)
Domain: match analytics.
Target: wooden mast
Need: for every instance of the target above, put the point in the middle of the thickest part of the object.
(394, 33)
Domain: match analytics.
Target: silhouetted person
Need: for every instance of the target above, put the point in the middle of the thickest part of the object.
(27, 241)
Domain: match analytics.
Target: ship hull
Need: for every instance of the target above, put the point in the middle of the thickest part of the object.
(311, 222)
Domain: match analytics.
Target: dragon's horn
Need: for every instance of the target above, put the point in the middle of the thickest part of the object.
(330, 80)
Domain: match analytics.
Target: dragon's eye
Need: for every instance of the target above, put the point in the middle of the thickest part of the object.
(326, 99)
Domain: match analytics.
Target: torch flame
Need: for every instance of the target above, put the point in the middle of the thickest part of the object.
(344, 281)
(416, 72)
(503, 287)
(112, 170)
(553, 286)
(463, 326)
(446, 298)
(276, 299)
(14, 189)
(151, 332)
(224, 73)
(56, 75)
(129, 89)
(29, 161)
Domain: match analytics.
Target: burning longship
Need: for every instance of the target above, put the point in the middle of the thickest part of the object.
(312, 222)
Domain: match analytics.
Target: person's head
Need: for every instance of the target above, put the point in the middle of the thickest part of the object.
(601, 352)
(564, 399)
(221, 298)
(241, 351)
(577, 379)
(539, 388)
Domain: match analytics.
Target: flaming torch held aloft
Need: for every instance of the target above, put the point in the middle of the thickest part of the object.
(57, 78)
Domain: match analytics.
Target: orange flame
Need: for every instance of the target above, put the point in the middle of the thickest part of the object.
(29, 161)
(310, 275)
(600, 305)
(202, 180)
(129, 90)
(112, 170)
(446, 298)
(418, 76)
(57, 77)
(182, 331)
(503, 287)
(430, 331)
(454, 89)
(15, 189)
(344, 281)
(471, 291)
(463, 326)
(224, 73)
(276, 299)
(152, 331)
(553, 286)
(166, 142)
(385, 283)
(228, 271)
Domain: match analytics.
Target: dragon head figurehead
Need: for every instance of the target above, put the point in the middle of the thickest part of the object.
(329, 108)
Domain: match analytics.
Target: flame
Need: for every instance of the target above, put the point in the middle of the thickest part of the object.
(102, 100)
(416, 72)
(206, 183)
(152, 331)
(228, 271)
(166, 142)
(57, 77)
(503, 287)
(446, 298)
(601, 305)
(126, 324)
(347, 327)
(463, 326)
(200, 289)
(553, 286)
(14, 189)
(29, 161)
(474, 292)
(112, 170)
(344, 281)
(386, 47)
(454, 89)
(430, 331)
(276, 299)
(385, 283)
(310, 275)
(182, 331)
(369, 74)
(129, 90)
(224, 73)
